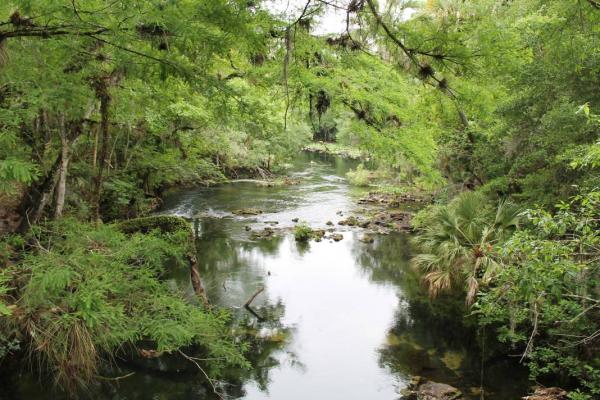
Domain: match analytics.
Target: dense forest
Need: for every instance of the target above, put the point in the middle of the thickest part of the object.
(490, 109)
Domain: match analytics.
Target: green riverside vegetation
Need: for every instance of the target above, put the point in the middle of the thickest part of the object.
(490, 106)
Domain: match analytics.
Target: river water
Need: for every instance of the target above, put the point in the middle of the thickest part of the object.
(336, 320)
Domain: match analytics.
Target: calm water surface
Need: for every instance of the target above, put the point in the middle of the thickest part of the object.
(337, 320)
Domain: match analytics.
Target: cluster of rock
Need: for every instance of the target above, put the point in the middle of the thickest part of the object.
(266, 233)
(380, 218)
(421, 389)
(247, 211)
(393, 200)
(381, 222)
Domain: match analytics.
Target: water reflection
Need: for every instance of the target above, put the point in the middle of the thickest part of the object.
(431, 339)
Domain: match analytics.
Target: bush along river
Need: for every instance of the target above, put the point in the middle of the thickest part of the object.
(340, 317)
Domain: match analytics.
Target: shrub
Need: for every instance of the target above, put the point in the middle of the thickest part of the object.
(360, 176)
(162, 223)
(457, 243)
(302, 232)
(546, 299)
(85, 292)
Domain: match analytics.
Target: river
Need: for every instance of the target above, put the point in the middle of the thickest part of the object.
(336, 320)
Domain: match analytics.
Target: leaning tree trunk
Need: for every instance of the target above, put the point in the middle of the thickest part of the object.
(38, 197)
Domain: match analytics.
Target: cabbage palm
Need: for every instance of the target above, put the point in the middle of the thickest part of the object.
(457, 245)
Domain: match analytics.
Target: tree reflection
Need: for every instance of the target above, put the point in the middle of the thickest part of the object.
(430, 338)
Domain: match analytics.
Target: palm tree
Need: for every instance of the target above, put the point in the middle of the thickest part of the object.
(457, 245)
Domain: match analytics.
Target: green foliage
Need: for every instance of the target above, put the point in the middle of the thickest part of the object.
(303, 232)
(4, 289)
(89, 291)
(162, 223)
(457, 243)
(524, 132)
(546, 298)
(360, 176)
(185, 105)
(15, 171)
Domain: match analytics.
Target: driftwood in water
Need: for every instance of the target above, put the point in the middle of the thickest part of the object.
(250, 300)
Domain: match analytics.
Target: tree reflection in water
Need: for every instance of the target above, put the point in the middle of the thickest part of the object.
(430, 338)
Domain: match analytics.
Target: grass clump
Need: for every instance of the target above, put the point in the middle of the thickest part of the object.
(303, 232)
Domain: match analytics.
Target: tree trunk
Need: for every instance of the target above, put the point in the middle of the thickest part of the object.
(61, 187)
(105, 136)
(95, 148)
(38, 196)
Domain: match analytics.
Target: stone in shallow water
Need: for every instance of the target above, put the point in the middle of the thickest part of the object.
(366, 239)
(247, 211)
(551, 393)
(438, 391)
(336, 237)
(350, 221)
(317, 234)
(266, 233)
(417, 390)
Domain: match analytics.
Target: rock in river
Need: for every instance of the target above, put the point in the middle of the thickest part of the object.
(247, 211)
(431, 391)
(366, 238)
(266, 233)
(336, 236)
(551, 393)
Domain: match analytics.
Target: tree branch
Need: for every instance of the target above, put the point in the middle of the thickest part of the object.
(594, 4)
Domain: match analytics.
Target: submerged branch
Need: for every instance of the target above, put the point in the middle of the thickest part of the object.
(208, 378)
(250, 300)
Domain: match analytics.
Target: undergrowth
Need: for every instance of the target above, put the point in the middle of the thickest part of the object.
(84, 293)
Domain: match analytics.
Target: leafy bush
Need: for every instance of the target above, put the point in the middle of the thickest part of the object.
(546, 298)
(88, 291)
(360, 176)
(162, 223)
(303, 232)
(457, 243)
(16, 171)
